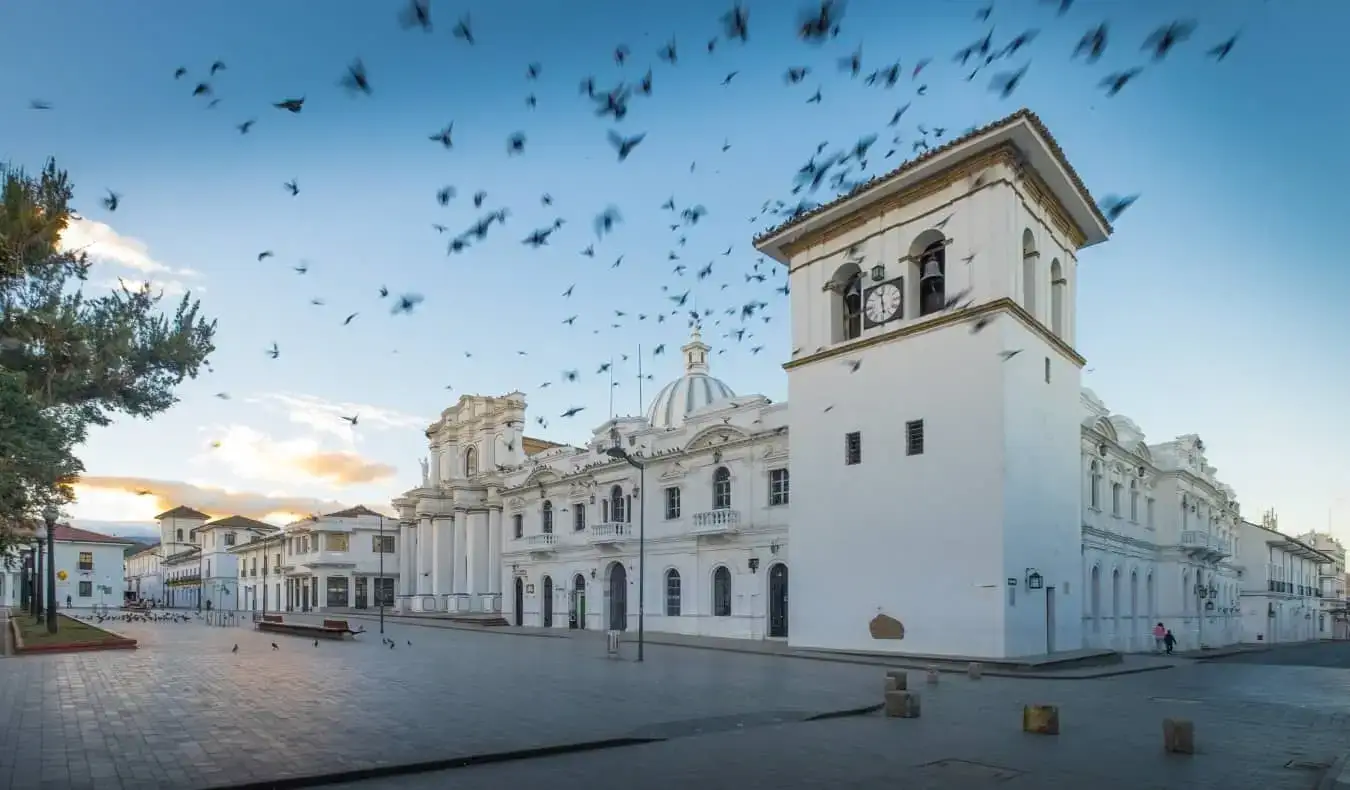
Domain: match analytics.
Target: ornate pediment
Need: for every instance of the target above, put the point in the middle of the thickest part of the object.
(674, 472)
(712, 437)
(515, 503)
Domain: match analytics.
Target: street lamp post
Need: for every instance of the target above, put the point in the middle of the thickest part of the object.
(619, 453)
(36, 592)
(379, 583)
(49, 516)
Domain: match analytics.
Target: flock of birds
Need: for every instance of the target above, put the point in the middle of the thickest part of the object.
(139, 617)
(827, 173)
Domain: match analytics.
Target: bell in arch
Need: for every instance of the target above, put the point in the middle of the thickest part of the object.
(931, 271)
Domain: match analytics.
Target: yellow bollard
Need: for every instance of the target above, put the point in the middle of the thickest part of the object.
(1178, 736)
(902, 704)
(1040, 719)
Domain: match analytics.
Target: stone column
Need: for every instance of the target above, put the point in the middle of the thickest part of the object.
(407, 551)
(434, 465)
(425, 551)
(443, 556)
(461, 577)
(495, 550)
(478, 541)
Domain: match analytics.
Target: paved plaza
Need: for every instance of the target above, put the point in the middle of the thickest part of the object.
(184, 712)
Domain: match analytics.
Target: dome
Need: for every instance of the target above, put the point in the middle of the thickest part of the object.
(695, 390)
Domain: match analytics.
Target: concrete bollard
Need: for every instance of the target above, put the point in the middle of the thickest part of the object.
(932, 675)
(1178, 736)
(1040, 719)
(902, 704)
(975, 670)
(899, 677)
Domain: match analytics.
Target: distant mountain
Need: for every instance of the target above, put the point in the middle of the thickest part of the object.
(130, 530)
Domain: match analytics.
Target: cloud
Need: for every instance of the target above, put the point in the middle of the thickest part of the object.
(327, 416)
(141, 499)
(252, 454)
(106, 245)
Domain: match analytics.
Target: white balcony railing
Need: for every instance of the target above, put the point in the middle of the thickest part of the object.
(543, 540)
(715, 522)
(609, 532)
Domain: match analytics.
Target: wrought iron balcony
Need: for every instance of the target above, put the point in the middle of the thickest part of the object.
(716, 522)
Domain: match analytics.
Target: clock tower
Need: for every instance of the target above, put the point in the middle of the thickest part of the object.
(933, 396)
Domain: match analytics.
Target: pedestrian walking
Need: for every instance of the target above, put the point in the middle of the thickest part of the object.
(1170, 641)
(1158, 634)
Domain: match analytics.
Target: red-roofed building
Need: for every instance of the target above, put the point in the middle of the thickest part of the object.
(88, 569)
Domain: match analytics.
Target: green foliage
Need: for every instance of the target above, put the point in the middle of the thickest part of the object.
(68, 360)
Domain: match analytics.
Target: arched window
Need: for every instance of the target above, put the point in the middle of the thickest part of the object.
(1096, 600)
(853, 307)
(721, 592)
(518, 525)
(547, 525)
(1095, 486)
(1058, 296)
(1030, 282)
(616, 505)
(845, 303)
(721, 489)
(1115, 594)
(1134, 501)
(1116, 495)
(932, 278)
(470, 462)
(672, 593)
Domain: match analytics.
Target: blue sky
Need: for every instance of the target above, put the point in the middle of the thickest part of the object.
(1213, 310)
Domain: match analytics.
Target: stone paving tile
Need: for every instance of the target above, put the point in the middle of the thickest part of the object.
(1250, 722)
(184, 712)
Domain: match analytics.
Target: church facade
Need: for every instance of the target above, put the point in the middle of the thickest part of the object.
(947, 469)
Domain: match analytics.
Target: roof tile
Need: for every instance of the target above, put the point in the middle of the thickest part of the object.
(932, 153)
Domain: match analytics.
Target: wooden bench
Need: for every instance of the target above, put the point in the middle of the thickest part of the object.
(331, 629)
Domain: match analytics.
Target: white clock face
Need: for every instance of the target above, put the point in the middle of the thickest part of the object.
(883, 302)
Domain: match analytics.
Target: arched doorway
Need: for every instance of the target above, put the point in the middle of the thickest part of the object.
(520, 601)
(577, 610)
(618, 597)
(778, 600)
(548, 601)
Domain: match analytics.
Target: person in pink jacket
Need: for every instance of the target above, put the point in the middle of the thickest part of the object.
(1159, 633)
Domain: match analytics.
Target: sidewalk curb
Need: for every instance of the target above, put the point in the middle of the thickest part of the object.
(428, 766)
(839, 659)
(469, 761)
(1337, 777)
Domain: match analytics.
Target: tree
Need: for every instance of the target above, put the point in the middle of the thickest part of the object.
(68, 360)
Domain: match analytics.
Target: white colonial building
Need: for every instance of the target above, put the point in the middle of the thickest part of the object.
(338, 561)
(88, 569)
(143, 575)
(1331, 618)
(192, 566)
(948, 470)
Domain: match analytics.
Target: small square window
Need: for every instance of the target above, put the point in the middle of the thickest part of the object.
(914, 437)
(852, 448)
